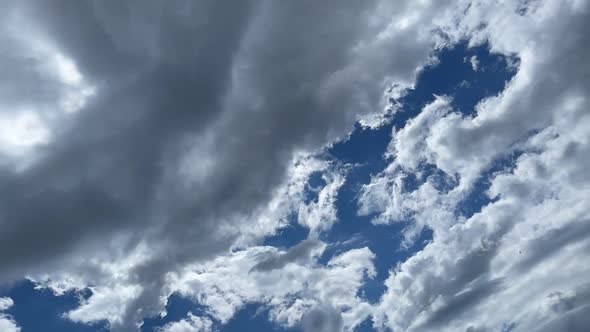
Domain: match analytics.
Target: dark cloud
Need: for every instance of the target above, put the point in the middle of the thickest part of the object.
(103, 172)
(198, 109)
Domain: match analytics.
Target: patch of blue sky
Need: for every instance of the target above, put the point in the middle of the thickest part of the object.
(254, 317)
(316, 181)
(289, 235)
(452, 75)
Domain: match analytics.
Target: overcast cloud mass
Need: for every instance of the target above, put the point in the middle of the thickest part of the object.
(151, 148)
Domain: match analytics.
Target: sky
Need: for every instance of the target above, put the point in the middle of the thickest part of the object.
(303, 166)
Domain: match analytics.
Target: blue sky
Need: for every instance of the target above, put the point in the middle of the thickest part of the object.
(406, 166)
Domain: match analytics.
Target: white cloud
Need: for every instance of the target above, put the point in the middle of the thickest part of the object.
(386, 194)
(105, 304)
(474, 61)
(229, 282)
(5, 303)
(20, 131)
(116, 287)
(408, 143)
(289, 198)
(522, 259)
(191, 323)
(321, 215)
(7, 324)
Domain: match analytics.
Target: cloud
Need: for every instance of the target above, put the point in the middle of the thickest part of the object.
(322, 319)
(320, 215)
(386, 195)
(6, 322)
(474, 61)
(290, 289)
(191, 324)
(569, 310)
(105, 303)
(5, 303)
(166, 141)
(8, 325)
(170, 127)
(497, 268)
(299, 252)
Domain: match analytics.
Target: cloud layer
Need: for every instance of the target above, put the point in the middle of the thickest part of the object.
(151, 149)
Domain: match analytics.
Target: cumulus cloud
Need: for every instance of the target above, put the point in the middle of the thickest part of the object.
(291, 289)
(191, 324)
(501, 266)
(6, 322)
(387, 195)
(320, 215)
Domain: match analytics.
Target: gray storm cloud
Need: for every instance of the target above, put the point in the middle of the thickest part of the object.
(196, 111)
